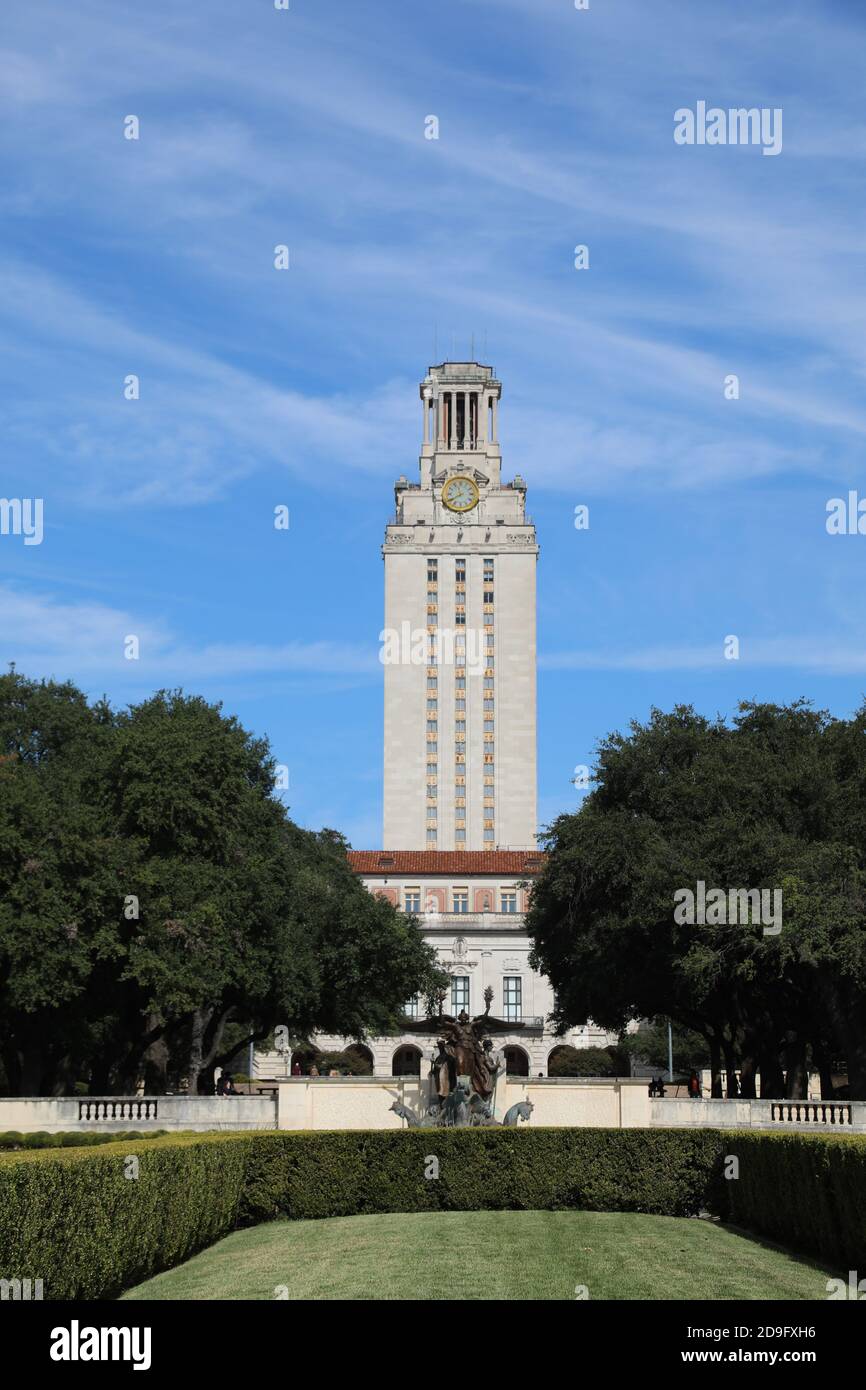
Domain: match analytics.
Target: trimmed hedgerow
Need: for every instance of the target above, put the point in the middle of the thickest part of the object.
(76, 1220)
(73, 1218)
(349, 1172)
(807, 1191)
(70, 1138)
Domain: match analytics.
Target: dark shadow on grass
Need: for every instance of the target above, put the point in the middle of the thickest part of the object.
(765, 1243)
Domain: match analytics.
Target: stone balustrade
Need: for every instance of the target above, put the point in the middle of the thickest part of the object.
(837, 1116)
(60, 1114)
(363, 1102)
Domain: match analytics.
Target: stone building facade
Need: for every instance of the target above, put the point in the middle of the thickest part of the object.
(459, 651)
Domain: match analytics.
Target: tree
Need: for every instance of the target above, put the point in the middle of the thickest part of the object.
(775, 800)
(649, 1047)
(587, 1061)
(159, 907)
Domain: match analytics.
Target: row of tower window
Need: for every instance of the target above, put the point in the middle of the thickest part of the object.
(488, 829)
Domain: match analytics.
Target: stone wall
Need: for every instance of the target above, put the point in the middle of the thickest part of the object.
(842, 1116)
(144, 1113)
(363, 1102)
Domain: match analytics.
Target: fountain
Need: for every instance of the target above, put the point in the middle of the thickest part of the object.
(464, 1074)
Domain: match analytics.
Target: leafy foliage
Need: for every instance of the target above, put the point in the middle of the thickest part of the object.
(158, 908)
(775, 800)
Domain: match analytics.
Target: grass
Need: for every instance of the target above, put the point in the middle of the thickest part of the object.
(491, 1255)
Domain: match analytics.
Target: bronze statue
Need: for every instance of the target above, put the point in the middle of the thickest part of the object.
(462, 1039)
(443, 1071)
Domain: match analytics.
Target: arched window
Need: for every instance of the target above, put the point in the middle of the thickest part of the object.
(516, 1062)
(406, 1061)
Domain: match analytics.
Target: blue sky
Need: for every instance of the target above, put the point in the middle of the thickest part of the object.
(260, 388)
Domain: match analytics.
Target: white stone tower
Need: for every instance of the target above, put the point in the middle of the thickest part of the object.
(459, 639)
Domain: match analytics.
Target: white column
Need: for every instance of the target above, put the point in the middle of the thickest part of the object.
(452, 422)
(495, 420)
(482, 418)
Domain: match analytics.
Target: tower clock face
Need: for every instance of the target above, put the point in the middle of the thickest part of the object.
(460, 494)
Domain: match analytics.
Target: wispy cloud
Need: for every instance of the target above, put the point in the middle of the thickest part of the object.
(45, 635)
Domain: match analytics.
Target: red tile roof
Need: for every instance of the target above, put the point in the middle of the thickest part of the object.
(434, 861)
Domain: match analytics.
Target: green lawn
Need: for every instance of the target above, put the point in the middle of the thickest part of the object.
(490, 1254)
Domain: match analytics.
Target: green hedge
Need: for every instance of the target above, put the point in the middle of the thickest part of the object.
(71, 1217)
(807, 1191)
(70, 1138)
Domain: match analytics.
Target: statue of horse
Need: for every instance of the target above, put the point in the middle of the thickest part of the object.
(521, 1111)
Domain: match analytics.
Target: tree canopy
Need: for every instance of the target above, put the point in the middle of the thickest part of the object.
(774, 799)
(158, 905)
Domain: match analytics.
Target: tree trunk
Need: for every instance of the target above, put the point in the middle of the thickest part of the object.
(715, 1068)
(31, 1071)
(825, 1071)
(855, 1046)
(155, 1066)
(731, 1069)
(748, 1071)
(195, 1060)
(772, 1078)
(796, 1076)
(12, 1068)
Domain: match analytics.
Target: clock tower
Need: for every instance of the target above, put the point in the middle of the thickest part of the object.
(459, 638)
